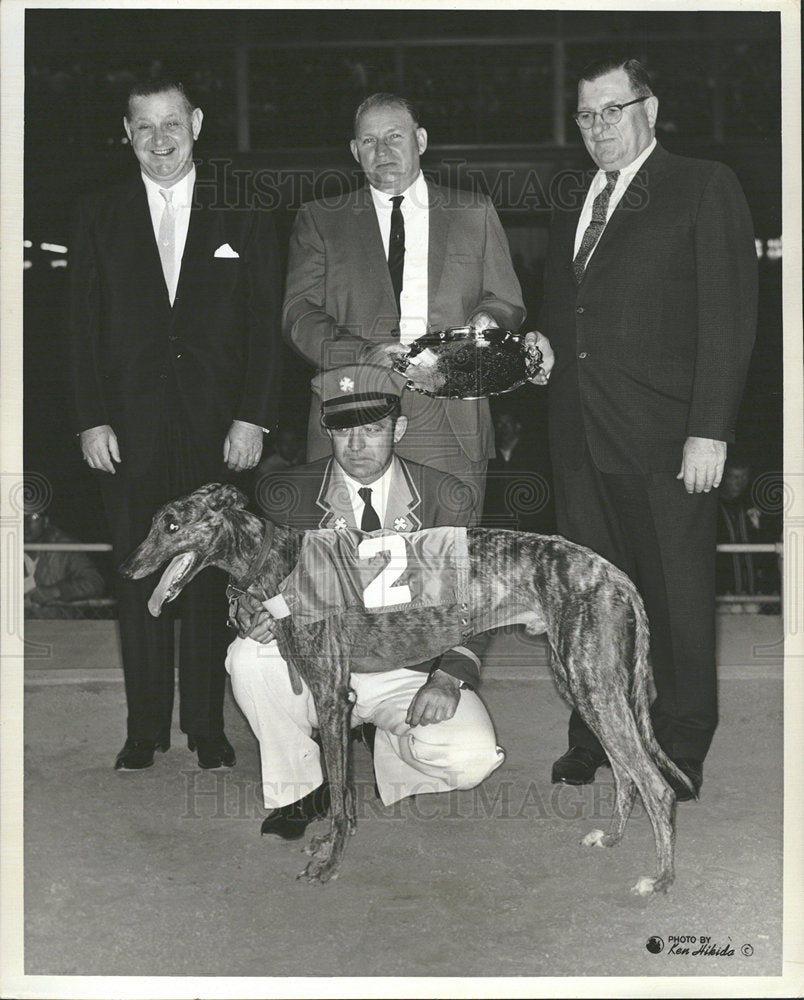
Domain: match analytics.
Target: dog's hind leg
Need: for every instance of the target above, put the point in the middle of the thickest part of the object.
(613, 722)
(625, 793)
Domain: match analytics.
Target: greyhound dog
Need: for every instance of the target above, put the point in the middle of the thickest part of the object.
(591, 612)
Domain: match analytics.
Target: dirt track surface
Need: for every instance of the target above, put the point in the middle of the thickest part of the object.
(163, 872)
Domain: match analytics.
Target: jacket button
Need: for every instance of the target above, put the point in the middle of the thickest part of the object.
(163, 375)
(582, 355)
(178, 355)
(579, 310)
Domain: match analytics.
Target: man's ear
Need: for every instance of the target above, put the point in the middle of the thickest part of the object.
(421, 139)
(400, 428)
(353, 147)
(652, 110)
(197, 119)
(127, 127)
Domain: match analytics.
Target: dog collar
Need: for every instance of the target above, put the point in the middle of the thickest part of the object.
(256, 567)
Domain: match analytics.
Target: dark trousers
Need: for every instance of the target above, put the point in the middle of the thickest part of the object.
(148, 643)
(664, 539)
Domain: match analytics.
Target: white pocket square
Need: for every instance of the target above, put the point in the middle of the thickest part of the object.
(226, 251)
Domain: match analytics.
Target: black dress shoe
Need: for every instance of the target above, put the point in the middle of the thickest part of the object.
(577, 766)
(139, 754)
(365, 733)
(213, 751)
(693, 769)
(289, 822)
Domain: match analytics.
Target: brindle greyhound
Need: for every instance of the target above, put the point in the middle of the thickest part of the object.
(591, 612)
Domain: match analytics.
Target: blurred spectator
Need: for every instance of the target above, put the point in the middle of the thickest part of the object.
(55, 579)
(740, 521)
(518, 490)
(288, 449)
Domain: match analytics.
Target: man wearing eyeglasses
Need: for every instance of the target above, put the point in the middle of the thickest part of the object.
(650, 309)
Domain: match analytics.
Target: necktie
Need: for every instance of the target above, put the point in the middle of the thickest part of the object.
(167, 243)
(370, 520)
(596, 226)
(396, 247)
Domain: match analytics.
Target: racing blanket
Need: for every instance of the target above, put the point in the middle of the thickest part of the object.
(379, 572)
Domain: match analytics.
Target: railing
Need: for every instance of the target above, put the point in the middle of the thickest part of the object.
(725, 548)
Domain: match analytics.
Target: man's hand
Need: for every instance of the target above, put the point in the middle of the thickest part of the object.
(253, 621)
(243, 446)
(702, 464)
(533, 340)
(481, 320)
(100, 448)
(383, 354)
(435, 701)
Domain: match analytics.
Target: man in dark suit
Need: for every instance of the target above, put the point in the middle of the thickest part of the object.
(433, 733)
(650, 308)
(174, 306)
(371, 271)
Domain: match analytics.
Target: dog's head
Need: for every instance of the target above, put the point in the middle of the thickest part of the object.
(188, 532)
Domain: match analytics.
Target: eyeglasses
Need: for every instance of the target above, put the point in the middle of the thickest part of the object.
(610, 115)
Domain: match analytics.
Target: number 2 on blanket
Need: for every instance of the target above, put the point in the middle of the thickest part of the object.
(381, 592)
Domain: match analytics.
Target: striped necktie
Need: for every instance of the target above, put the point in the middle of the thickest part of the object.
(593, 232)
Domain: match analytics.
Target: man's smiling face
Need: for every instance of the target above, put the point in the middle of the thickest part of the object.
(162, 130)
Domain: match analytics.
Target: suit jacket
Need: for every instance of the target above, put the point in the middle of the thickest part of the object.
(339, 300)
(316, 496)
(216, 348)
(654, 344)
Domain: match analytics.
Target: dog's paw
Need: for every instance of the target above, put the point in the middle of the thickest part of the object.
(645, 886)
(595, 838)
(319, 871)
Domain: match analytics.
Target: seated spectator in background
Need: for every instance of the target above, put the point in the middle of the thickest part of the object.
(741, 521)
(54, 579)
(289, 445)
(519, 493)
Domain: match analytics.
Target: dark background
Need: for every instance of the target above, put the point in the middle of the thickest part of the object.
(278, 90)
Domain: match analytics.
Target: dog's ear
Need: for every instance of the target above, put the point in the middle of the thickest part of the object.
(220, 496)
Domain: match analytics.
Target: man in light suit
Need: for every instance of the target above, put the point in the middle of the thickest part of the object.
(650, 309)
(174, 304)
(433, 733)
(371, 271)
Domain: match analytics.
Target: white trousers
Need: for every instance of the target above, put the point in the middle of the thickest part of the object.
(457, 753)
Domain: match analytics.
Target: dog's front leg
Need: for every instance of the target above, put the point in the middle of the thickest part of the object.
(333, 702)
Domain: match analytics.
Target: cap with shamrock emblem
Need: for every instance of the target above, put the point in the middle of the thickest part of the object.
(358, 394)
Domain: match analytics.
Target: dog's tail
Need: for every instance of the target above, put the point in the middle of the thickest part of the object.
(640, 694)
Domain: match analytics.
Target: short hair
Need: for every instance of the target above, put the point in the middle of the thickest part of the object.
(384, 100)
(147, 88)
(638, 76)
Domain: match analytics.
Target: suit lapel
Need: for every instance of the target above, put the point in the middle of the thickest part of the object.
(403, 499)
(143, 241)
(368, 235)
(644, 180)
(334, 500)
(199, 236)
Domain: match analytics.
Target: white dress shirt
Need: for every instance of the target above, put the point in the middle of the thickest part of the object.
(627, 174)
(182, 202)
(380, 491)
(416, 213)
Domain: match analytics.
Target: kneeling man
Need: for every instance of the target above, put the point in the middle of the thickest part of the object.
(433, 733)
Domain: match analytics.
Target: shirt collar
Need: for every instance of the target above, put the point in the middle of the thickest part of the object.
(380, 488)
(628, 173)
(415, 195)
(182, 190)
